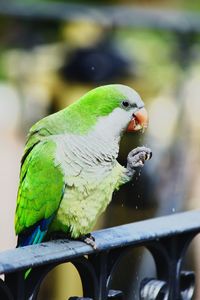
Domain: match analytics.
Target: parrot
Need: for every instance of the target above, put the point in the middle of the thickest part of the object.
(69, 169)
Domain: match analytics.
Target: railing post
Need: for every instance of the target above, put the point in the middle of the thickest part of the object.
(100, 263)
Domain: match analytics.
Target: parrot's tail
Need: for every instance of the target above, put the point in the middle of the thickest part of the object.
(31, 238)
(34, 235)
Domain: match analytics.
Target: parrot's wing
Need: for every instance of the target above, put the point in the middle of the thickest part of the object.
(40, 192)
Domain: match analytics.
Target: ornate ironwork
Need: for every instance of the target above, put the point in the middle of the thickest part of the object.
(167, 238)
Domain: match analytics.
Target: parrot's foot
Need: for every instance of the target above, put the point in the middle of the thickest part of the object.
(89, 240)
(136, 159)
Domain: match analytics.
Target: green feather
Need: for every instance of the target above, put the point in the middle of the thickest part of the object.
(85, 201)
(41, 186)
(80, 116)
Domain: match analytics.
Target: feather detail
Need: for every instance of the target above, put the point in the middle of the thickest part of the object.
(35, 234)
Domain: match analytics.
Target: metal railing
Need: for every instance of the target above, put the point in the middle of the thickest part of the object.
(167, 238)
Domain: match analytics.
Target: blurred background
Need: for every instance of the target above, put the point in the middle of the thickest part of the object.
(53, 52)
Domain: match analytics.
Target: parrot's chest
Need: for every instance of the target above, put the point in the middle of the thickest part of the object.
(85, 158)
(83, 203)
(89, 167)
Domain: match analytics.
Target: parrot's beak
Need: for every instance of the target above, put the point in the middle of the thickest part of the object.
(139, 121)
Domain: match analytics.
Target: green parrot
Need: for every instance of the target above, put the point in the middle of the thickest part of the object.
(69, 169)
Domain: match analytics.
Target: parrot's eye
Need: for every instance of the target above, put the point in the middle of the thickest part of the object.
(125, 104)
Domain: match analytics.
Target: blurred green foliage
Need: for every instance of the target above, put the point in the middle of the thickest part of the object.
(3, 69)
(154, 53)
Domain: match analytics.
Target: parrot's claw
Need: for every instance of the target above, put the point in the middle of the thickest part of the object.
(89, 240)
(136, 159)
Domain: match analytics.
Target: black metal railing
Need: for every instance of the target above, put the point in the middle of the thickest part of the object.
(167, 238)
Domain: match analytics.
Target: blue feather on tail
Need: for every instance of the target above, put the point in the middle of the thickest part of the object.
(33, 236)
(36, 234)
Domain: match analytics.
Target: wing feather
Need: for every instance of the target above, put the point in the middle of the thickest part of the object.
(41, 187)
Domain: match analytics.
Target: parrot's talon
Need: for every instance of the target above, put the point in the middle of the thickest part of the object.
(148, 156)
(89, 240)
(136, 159)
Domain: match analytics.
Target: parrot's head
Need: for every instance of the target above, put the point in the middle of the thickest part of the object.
(133, 106)
(113, 107)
